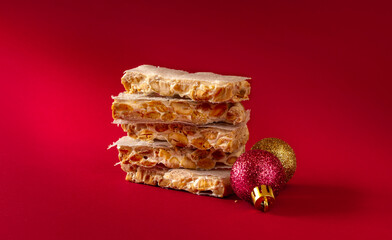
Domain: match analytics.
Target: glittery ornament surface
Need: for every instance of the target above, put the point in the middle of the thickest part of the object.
(254, 168)
(281, 150)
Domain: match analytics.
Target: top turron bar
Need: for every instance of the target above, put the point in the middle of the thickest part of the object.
(199, 86)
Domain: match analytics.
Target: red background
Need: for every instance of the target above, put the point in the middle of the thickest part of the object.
(321, 80)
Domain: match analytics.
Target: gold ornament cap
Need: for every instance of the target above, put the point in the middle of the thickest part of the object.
(263, 197)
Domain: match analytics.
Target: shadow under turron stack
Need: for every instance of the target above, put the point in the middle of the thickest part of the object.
(184, 130)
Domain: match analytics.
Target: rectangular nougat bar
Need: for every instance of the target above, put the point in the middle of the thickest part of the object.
(227, 138)
(136, 107)
(200, 86)
(212, 183)
(159, 153)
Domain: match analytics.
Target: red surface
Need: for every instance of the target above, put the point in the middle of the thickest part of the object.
(321, 81)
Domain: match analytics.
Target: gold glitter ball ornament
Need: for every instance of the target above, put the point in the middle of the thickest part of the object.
(281, 150)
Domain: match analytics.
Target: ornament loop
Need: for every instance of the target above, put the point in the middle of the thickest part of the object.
(263, 197)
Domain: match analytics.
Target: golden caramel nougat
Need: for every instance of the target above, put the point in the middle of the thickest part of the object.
(200, 86)
(212, 183)
(136, 107)
(150, 154)
(227, 138)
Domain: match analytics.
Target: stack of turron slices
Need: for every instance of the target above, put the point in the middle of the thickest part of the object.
(184, 130)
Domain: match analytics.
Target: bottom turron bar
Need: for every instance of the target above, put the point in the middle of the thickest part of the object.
(214, 182)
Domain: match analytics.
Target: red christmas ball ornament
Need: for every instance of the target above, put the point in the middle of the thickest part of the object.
(257, 176)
